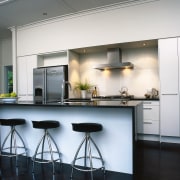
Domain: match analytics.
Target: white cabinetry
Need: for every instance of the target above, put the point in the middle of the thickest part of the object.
(25, 67)
(169, 82)
(150, 122)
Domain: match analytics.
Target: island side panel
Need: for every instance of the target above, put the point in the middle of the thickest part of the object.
(115, 141)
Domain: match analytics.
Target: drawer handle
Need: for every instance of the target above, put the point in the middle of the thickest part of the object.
(146, 102)
(21, 94)
(147, 108)
(147, 122)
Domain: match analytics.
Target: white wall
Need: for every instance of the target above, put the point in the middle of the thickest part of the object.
(153, 20)
(143, 77)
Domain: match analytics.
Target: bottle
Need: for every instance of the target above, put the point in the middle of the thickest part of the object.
(94, 93)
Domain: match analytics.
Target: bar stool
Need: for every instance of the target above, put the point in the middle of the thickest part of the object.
(48, 140)
(89, 147)
(16, 146)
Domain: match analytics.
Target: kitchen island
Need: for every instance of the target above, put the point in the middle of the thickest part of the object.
(116, 142)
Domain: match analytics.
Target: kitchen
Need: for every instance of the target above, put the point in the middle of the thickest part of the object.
(86, 38)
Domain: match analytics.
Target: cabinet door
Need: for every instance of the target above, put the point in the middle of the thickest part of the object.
(22, 77)
(168, 59)
(179, 58)
(25, 76)
(169, 113)
(31, 63)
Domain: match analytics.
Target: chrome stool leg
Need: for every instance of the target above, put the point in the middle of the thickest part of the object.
(87, 140)
(13, 144)
(75, 157)
(13, 148)
(50, 141)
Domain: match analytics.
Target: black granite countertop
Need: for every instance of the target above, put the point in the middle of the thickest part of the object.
(98, 103)
(130, 98)
(145, 99)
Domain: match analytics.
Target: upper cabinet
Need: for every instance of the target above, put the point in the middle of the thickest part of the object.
(168, 58)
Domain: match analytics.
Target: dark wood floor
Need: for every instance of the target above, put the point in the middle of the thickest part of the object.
(154, 162)
(158, 161)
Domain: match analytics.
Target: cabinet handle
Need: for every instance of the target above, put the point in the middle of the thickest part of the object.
(146, 102)
(169, 94)
(147, 122)
(22, 95)
(147, 108)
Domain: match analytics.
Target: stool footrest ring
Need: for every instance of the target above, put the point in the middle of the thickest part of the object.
(39, 160)
(8, 154)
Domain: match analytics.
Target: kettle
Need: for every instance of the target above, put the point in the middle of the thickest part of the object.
(124, 91)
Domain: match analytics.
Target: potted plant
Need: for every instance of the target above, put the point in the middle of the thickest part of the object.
(83, 88)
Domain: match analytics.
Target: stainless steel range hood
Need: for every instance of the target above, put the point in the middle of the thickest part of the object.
(114, 57)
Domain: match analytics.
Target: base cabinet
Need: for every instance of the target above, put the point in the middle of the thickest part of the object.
(170, 124)
(150, 122)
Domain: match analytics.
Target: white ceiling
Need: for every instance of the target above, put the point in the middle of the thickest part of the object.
(21, 12)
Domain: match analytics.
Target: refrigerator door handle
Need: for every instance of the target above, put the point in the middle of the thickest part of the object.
(45, 86)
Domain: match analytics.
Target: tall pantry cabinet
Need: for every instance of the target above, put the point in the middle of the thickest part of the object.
(169, 53)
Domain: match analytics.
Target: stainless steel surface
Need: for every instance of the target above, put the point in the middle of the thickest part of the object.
(39, 80)
(75, 101)
(48, 82)
(114, 56)
(63, 89)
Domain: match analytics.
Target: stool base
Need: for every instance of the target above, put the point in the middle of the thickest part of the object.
(88, 157)
(50, 142)
(13, 150)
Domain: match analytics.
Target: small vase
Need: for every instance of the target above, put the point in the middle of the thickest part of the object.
(83, 94)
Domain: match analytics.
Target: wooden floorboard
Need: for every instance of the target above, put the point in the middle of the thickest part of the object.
(154, 161)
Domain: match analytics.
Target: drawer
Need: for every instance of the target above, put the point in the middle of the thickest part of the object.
(150, 127)
(151, 113)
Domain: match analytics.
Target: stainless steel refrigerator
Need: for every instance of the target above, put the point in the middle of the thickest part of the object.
(47, 84)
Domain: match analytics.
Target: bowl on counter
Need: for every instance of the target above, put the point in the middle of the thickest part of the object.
(8, 99)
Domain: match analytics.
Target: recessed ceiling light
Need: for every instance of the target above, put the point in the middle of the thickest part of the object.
(2, 2)
(44, 13)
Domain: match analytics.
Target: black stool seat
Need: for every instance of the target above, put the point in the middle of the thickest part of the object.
(12, 122)
(47, 124)
(87, 127)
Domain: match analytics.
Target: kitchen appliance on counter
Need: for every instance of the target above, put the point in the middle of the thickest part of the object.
(48, 83)
(124, 92)
(154, 93)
